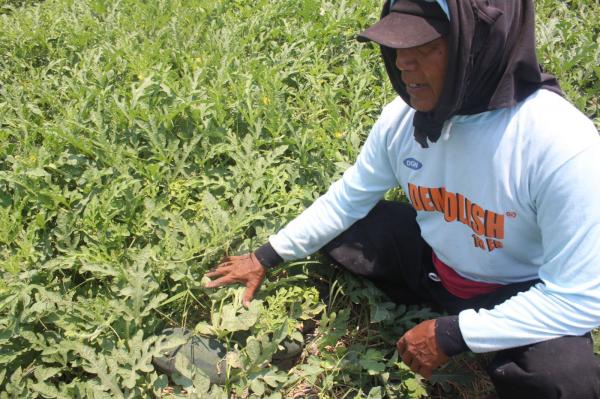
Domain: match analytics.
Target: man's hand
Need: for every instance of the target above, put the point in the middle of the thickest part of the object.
(419, 349)
(244, 269)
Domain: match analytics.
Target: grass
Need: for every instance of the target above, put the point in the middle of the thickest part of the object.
(142, 141)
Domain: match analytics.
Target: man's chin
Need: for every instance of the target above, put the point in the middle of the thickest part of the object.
(422, 105)
(422, 108)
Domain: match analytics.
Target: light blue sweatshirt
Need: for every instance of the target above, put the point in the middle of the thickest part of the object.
(504, 196)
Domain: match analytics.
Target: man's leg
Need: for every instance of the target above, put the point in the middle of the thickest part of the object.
(386, 247)
(564, 367)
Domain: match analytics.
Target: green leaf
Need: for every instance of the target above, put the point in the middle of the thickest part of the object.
(257, 386)
(415, 388)
(382, 311)
(372, 361)
(139, 91)
(161, 382)
(412, 382)
(183, 366)
(253, 349)
(171, 342)
(201, 382)
(46, 389)
(376, 393)
(181, 380)
(297, 336)
(274, 379)
(334, 326)
(43, 373)
(236, 318)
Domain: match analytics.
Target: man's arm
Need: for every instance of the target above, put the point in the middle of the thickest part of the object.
(567, 302)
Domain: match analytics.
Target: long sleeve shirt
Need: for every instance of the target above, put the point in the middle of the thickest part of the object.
(504, 196)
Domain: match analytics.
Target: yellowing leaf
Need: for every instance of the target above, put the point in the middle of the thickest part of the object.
(204, 328)
(233, 359)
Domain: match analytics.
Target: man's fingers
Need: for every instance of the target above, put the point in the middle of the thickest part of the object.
(421, 369)
(425, 372)
(251, 288)
(223, 264)
(219, 271)
(248, 295)
(414, 364)
(225, 280)
(401, 346)
(408, 359)
(233, 258)
(415, 367)
(213, 273)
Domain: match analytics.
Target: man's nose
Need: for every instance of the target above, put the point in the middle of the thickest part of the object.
(405, 59)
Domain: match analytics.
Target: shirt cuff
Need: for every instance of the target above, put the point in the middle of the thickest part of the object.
(449, 337)
(267, 256)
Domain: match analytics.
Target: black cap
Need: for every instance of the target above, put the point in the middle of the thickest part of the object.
(410, 23)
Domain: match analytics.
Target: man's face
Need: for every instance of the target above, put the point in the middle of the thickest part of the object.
(423, 69)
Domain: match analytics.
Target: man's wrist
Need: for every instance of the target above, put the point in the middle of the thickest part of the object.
(449, 337)
(267, 256)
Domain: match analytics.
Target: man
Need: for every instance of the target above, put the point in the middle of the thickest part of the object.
(503, 177)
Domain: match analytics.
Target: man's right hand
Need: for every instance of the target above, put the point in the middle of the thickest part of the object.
(243, 269)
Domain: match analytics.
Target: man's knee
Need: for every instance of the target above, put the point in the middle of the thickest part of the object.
(392, 212)
(564, 367)
(373, 244)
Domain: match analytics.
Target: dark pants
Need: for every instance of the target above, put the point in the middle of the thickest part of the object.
(386, 247)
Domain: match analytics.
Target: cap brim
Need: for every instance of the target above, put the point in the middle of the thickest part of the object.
(397, 30)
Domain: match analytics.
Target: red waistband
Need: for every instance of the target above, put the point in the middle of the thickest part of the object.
(458, 285)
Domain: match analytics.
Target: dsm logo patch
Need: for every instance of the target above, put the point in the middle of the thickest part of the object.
(412, 163)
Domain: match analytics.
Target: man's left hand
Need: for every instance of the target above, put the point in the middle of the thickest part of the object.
(419, 349)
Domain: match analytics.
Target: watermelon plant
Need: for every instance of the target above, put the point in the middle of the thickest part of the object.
(140, 142)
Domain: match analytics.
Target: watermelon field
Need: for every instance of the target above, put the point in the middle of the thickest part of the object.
(142, 141)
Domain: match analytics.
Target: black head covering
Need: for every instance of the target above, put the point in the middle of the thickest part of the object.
(491, 62)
